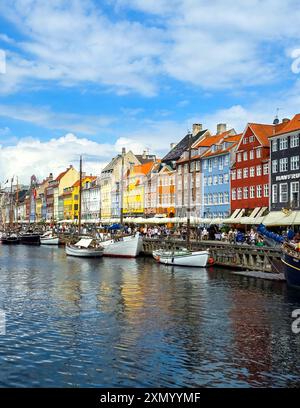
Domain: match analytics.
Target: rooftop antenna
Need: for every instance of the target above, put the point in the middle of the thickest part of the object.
(276, 120)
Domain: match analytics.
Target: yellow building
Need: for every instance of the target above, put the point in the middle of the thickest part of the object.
(134, 194)
(71, 198)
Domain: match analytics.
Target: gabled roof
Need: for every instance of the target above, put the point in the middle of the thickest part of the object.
(291, 126)
(177, 150)
(143, 168)
(110, 166)
(86, 178)
(60, 176)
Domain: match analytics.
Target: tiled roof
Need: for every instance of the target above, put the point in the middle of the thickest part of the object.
(112, 164)
(60, 176)
(209, 152)
(291, 126)
(143, 168)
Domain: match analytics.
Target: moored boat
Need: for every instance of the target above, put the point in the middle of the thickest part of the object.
(182, 258)
(85, 247)
(30, 238)
(123, 247)
(10, 239)
(291, 262)
(49, 239)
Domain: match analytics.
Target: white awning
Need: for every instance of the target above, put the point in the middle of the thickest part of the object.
(255, 217)
(279, 218)
(84, 242)
(235, 217)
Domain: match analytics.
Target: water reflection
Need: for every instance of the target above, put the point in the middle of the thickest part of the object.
(111, 322)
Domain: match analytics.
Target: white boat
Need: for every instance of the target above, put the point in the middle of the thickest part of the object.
(182, 257)
(124, 247)
(49, 239)
(85, 247)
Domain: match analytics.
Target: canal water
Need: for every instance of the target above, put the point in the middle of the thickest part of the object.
(133, 323)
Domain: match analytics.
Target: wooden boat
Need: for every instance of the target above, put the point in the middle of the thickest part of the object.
(85, 247)
(182, 258)
(30, 238)
(49, 239)
(123, 247)
(291, 262)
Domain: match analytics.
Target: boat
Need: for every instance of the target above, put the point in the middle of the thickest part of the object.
(30, 238)
(49, 239)
(10, 239)
(123, 247)
(85, 248)
(291, 262)
(182, 258)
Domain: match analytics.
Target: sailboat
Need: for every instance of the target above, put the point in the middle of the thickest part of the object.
(124, 246)
(49, 239)
(10, 237)
(87, 246)
(184, 256)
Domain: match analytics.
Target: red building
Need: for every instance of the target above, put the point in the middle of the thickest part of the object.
(250, 181)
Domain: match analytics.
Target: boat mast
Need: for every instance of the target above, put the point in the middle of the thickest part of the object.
(17, 201)
(121, 186)
(11, 204)
(80, 188)
(188, 232)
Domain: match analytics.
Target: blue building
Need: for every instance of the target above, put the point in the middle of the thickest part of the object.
(216, 166)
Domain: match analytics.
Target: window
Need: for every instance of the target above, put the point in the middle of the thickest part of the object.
(204, 164)
(75, 207)
(251, 139)
(245, 141)
(295, 163)
(258, 191)
(226, 198)
(274, 145)
(215, 198)
(258, 170)
(210, 165)
(226, 160)
(266, 190)
(283, 164)
(233, 175)
(215, 180)
(76, 197)
(221, 163)
(295, 194)
(210, 198)
(283, 143)
(215, 162)
(210, 180)
(245, 193)
(294, 141)
(205, 199)
(239, 193)
(274, 193)
(283, 193)
(197, 165)
(245, 156)
(258, 153)
(226, 178)
(221, 198)
(205, 181)
(245, 172)
(266, 168)
(251, 154)
(221, 179)
(252, 192)
(274, 166)
(252, 171)
(239, 157)
(239, 173)
(233, 194)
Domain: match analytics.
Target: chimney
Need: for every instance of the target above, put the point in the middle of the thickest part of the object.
(221, 127)
(123, 151)
(197, 127)
(285, 120)
(172, 145)
(51, 176)
(144, 154)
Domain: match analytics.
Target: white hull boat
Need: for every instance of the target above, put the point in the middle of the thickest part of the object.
(126, 247)
(182, 258)
(84, 249)
(49, 240)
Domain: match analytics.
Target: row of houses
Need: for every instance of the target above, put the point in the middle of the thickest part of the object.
(213, 175)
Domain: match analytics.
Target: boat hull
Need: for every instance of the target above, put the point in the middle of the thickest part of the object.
(50, 241)
(33, 239)
(128, 247)
(291, 270)
(10, 241)
(84, 252)
(196, 259)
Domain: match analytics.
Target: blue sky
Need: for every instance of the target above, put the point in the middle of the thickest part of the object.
(92, 76)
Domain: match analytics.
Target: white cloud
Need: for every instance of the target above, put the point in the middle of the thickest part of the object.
(211, 45)
(45, 117)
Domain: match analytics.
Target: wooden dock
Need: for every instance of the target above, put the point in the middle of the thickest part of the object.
(243, 256)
